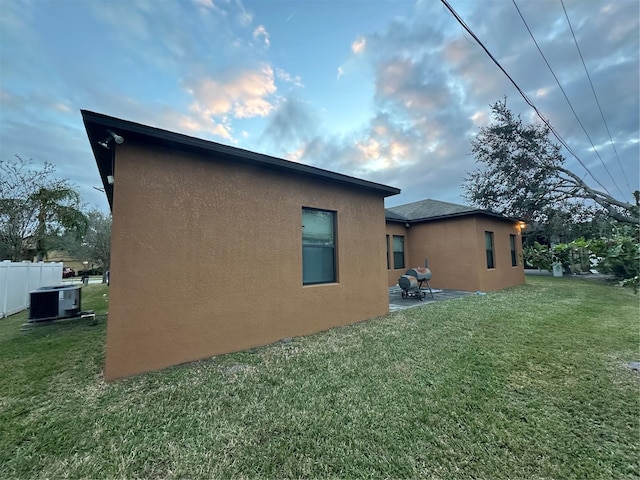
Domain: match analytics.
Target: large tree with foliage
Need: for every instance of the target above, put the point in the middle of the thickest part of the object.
(95, 245)
(523, 174)
(35, 210)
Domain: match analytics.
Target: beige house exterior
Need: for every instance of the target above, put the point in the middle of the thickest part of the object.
(66, 259)
(466, 248)
(217, 249)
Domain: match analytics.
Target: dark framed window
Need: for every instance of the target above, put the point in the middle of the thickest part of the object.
(388, 264)
(398, 251)
(514, 255)
(488, 240)
(318, 246)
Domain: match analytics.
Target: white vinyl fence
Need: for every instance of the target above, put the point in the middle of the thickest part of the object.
(17, 279)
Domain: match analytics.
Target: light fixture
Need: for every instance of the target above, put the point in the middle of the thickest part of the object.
(110, 179)
(117, 138)
(406, 225)
(104, 143)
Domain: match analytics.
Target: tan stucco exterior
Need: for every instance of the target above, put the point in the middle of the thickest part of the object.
(66, 259)
(207, 258)
(394, 273)
(455, 248)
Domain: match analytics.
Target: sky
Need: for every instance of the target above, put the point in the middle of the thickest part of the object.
(388, 91)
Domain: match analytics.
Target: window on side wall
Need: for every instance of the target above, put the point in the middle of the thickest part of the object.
(398, 251)
(488, 240)
(318, 246)
(514, 256)
(388, 264)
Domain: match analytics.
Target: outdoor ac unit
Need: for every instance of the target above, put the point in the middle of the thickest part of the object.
(51, 303)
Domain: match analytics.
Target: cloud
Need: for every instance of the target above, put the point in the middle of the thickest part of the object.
(286, 77)
(358, 45)
(243, 94)
(62, 107)
(200, 122)
(261, 32)
(244, 17)
(417, 137)
(431, 83)
(293, 124)
(205, 3)
(415, 89)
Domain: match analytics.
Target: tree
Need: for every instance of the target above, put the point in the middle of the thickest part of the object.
(96, 244)
(35, 209)
(524, 174)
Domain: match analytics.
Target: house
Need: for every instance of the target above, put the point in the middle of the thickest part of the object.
(217, 249)
(67, 260)
(466, 248)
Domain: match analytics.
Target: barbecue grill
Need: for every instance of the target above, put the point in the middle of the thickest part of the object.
(411, 283)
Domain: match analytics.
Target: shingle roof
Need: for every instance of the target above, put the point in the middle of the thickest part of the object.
(99, 126)
(425, 210)
(389, 215)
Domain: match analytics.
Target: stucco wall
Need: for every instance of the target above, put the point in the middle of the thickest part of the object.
(504, 274)
(456, 254)
(207, 259)
(392, 273)
(452, 250)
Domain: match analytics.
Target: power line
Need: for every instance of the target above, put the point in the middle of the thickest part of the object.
(567, 98)
(526, 99)
(626, 179)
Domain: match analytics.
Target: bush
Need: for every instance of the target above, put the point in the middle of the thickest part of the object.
(620, 256)
(90, 272)
(538, 256)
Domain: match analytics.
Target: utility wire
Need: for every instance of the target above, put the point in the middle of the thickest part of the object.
(526, 99)
(595, 96)
(567, 98)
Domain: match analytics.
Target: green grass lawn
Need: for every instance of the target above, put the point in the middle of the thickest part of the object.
(530, 382)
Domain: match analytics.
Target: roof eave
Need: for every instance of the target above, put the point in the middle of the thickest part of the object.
(486, 213)
(97, 124)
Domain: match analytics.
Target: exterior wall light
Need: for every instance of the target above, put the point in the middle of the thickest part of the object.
(117, 138)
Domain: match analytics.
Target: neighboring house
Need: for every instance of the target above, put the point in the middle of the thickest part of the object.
(67, 260)
(217, 249)
(466, 248)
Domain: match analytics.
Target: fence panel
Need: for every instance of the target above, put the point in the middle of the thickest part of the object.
(51, 274)
(18, 279)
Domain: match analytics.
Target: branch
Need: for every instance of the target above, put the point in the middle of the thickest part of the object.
(604, 200)
(594, 194)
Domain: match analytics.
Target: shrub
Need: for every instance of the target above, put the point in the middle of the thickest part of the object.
(620, 256)
(537, 256)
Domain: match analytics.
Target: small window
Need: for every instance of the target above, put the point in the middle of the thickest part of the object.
(488, 239)
(398, 251)
(514, 256)
(318, 246)
(388, 264)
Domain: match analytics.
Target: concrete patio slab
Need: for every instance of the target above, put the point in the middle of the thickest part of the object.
(396, 302)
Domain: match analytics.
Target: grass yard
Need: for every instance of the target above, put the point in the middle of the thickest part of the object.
(530, 382)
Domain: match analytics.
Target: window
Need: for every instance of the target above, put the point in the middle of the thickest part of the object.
(318, 246)
(514, 256)
(388, 264)
(398, 251)
(488, 240)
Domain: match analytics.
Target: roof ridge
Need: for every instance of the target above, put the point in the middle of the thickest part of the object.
(429, 200)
